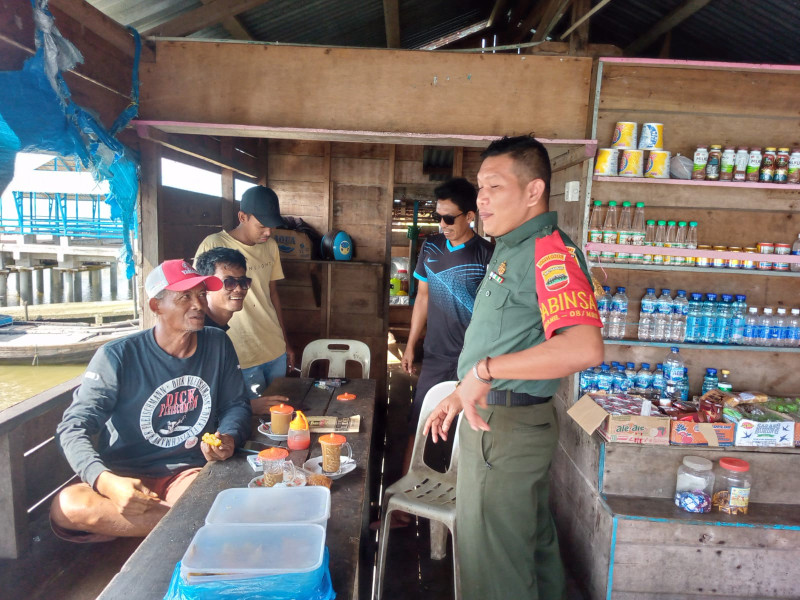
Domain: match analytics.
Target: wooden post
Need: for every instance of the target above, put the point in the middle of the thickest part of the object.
(227, 212)
(149, 235)
(579, 40)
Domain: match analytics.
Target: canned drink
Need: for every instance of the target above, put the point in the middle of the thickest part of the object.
(606, 164)
(652, 137)
(632, 163)
(734, 263)
(749, 264)
(703, 261)
(625, 135)
(781, 166)
(782, 250)
(767, 172)
(658, 164)
(719, 263)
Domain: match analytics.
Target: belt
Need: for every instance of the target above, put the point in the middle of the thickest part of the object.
(509, 398)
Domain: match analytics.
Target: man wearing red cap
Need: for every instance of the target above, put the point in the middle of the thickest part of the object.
(150, 397)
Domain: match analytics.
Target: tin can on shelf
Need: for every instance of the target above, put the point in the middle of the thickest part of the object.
(794, 167)
(753, 164)
(767, 172)
(658, 164)
(781, 250)
(632, 163)
(781, 166)
(703, 261)
(700, 162)
(734, 263)
(624, 135)
(652, 137)
(740, 165)
(719, 263)
(606, 164)
(765, 248)
(728, 164)
(749, 264)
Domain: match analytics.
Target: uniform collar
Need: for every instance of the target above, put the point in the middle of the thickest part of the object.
(530, 228)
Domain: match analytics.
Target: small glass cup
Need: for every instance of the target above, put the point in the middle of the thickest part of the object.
(332, 445)
(281, 416)
(275, 466)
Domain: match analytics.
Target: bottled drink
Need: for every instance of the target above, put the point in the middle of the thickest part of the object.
(663, 317)
(658, 383)
(751, 327)
(725, 381)
(625, 234)
(738, 320)
(620, 383)
(596, 229)
(793, 329)
(670, 237)
(658, 241)
(710, 381)
(649, 241)
(630, 373)
(637, 233)
(673, 374)
(694, 319)
(691, 243)
(604, 308)
(762, 327)
(683, 388)
(680, 312)
(587, 380)
(777, 331)
(604, 379)
(610, 231)
(680, 242)
(722, 324)
(619, 315)
(647, 314)
(795, 267)
(644, 377)
(709, 319)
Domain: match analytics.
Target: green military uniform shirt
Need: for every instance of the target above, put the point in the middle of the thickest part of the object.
(507, 316)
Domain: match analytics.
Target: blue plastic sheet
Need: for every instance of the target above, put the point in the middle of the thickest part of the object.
(272, 587)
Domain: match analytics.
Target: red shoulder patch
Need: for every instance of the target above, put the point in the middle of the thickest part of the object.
(566, 296)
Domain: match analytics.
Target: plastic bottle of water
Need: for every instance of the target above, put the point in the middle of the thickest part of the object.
(630, 373)
(777, 329)
(649, 241)
(663, 317)
(725, 381)
(691, 242)
(709, 319)
(658, 241)
(595, 230)
(619, 315)
(637, 233)
(763, 326)
(680, 242)
(621, 383)
(659, 383)
(610, 231)
(722, 323)
(644, 377)
(738, 320)
(751, 327)
(673, 374)
(794, 328)
(624, 235)
(680, 312)
(684, 386)
(604, 379)
(586, 379)
(710, 381)
(647, 314)
(670, 238)
(796, 252)
(694, 318)
(604, 308)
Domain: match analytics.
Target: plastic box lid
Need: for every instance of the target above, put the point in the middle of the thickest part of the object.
(235, 550)
(311, 504)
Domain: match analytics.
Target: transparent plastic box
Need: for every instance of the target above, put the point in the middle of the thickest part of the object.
(235, 551)
(311, 504)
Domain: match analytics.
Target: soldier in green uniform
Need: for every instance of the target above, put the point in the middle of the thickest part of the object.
(534, 322)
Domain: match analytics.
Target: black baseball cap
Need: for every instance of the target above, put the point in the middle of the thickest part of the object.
(262, 203)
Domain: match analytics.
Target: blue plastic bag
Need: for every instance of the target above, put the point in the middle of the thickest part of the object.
(272, 587)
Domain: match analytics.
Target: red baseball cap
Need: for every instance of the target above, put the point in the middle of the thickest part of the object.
(177, 275)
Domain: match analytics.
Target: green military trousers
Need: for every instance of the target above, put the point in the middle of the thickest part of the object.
(507, 542)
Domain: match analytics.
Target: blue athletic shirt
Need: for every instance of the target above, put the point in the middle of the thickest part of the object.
(453, 274)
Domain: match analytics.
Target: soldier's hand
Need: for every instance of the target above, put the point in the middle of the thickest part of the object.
(473, 393)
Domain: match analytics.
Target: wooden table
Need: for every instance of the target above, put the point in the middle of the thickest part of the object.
(147, 573)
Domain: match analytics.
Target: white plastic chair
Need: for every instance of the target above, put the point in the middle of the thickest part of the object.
(425, 492)
(337, 353)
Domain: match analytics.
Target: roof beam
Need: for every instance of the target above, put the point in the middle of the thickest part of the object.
(677, 16)
(204, 16)
(498, 10)
(552, 15)
(391, 17)
(584, 18)
(454, 37)
(532, 18)
(234, 26)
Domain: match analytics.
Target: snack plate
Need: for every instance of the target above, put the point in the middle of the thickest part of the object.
(299, 480)
(314, 465)
(266, 429)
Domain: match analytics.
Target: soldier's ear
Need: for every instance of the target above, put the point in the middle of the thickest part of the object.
(534, 191)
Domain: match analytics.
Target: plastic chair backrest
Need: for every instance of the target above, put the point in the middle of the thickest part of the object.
(435, 395)
(337, 353)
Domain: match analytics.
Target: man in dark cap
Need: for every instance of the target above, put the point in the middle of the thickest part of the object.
(257, 331)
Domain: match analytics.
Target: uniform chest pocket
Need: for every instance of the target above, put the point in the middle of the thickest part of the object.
(494, 298)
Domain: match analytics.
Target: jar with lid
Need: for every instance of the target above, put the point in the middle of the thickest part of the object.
(753, 165)
(767, 172)
(713, 164)
(732, 486)
(695, 485)
(728, 164)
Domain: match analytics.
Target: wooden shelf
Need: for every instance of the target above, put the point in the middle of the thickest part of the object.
(701, 346)
(715, 271)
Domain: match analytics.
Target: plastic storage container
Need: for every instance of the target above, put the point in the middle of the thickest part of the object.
(695, 484)
(311, 504)
(732, 486)
(235, 551)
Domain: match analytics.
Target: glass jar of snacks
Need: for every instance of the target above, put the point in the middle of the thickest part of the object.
(749, 263)
(732, 486)
(703, 261)
(720, 262)
(734, 263)
(695, 485)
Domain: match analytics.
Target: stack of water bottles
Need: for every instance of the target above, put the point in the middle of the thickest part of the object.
(663, 319)
(613, 313)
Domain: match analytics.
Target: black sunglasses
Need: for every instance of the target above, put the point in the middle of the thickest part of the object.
(448, 219)
(230, 283)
